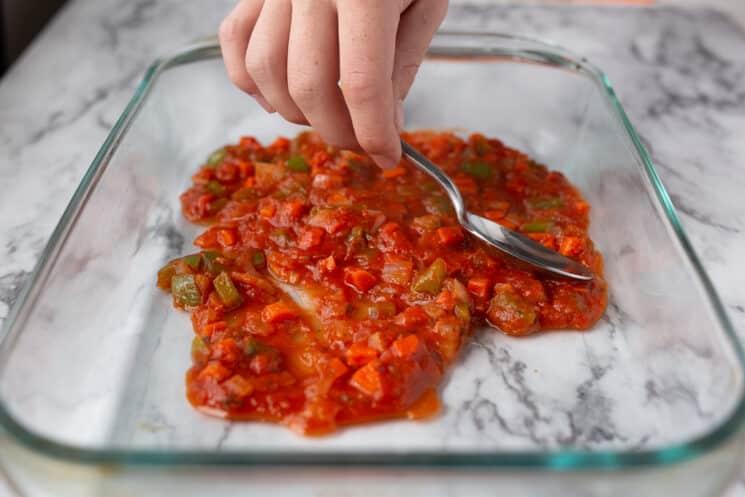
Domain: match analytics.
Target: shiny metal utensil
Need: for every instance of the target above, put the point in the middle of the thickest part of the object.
(494, 234)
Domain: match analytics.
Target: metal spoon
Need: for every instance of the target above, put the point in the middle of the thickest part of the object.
(494, 234)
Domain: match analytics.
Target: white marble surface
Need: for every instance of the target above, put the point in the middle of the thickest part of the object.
(679, 73)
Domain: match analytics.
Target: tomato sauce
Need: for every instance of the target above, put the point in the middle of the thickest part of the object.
(328, 292)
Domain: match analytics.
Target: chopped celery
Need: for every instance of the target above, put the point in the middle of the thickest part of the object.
(192, 260)
(258, 259)
(185, 291)
(297, 164)
(226, 290)
(165, 275)
(537, 226)
(431, 279)
(215, 188)
(545, 203)
(210, 262)
(478, 170)
(216, 157)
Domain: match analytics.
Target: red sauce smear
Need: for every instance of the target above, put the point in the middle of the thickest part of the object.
(328, 292)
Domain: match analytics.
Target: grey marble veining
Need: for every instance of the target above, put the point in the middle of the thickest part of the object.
(679, 73)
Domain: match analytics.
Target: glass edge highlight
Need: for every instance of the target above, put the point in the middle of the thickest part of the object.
(565, 460)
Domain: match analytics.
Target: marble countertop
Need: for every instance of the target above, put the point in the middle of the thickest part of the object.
(679, 72)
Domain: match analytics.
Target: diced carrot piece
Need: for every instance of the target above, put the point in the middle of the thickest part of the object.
(267, 210)
(203, 203)
(226, 237)
(406, 347)
(582, 207)
(336, 368)
(208, 239)
(394, 173)
(250, 182)
(548, 240)
(214, 370)
(572, 245)
(210, 328)
(360, 279)
(203, 176)
(479, 286)
(237, 385)
(310, 238)
(466, 184)
(244, 167)
(358, 354)
(328, 264)
(412, 317)
(319, 158)
(449, 235)
(368, 380)
(510, 225)
(278, 311)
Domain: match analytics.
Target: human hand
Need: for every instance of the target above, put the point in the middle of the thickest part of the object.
(290, 55)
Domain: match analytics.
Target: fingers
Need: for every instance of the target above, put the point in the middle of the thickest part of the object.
(266, 58)
(417, 27)
(235, 31)
(313, 71)
(367, 42)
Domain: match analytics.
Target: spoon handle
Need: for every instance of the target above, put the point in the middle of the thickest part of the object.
(443, 179)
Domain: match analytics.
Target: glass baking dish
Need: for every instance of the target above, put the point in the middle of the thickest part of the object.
(93, 357)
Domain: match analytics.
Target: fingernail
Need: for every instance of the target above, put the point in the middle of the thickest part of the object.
(400, 115)
(383, 161)
(264, 104)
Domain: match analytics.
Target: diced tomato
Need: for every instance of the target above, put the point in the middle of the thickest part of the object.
(572, 245)
(336, 368)
(546, 239)
(466, 184)
(214, 370)
(209, 329)
(238, 386)
(310, 238)
(328, 264)
(359, 279)
(267, 209)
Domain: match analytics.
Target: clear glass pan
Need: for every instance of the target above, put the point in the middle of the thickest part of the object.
(93, 357)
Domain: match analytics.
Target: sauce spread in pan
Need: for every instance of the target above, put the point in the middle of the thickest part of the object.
(328, 292)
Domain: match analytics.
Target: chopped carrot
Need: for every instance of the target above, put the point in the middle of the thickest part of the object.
(394, 173)
(466, 184)
(368, 380)
(336, 368)
(250, 182)
(208, 239)
(358, 354)
(582, 207)
(226, 237)
(360, 279)
(267, 210)
(406, 347)
(278, 311)
(293, 209)
(479, 286)
(510, 225)
(203, 176)
(449, 235)
(210, 328)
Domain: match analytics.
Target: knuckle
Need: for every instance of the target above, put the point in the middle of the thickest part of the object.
(304, 88)
(228, 30)
(374, 142)
(362, 88)
(258, 64)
